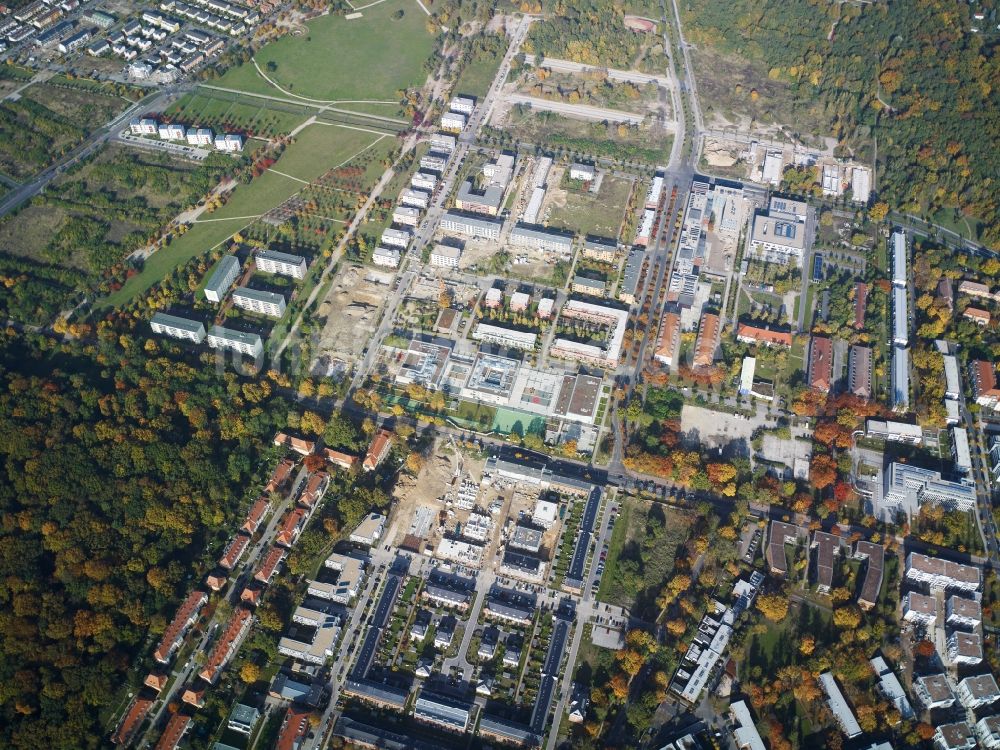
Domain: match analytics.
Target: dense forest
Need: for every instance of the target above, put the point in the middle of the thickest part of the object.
(121, 462)
(912, 76)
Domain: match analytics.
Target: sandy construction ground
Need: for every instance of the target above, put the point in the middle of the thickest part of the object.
(350, 311)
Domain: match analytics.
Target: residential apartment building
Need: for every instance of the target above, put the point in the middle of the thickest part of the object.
(178, 328)
(228, 338)
(487, 202)
(547, 240)
(919, 609)
(752, 335)
(453, 122)
(707, 341)
(508, 337)
(222, 278)
(406, 215)
(668, 339)
(584, 172)
(185, 617)
(984, 383)
(988, 731)
(934, 691)
(860, 371)
(378, 450)
(471, 226)
(939, 573)
(965, 648)
(386, 257)
(414, 198)
(600, 249)
(957, 736)
(445, 256)
(272, 261)
(255, 300)
(396, 237)
(976, 692)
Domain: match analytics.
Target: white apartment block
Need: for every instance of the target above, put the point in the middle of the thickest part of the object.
(976, 692)
(406, 215)
(387, 257)
(229, 142)
(963, 613)
(255, 300)
(471, 226)
(492, 334)
(396, 237)
(171, 132)
(965, 648)
(178, 328)
(222, 278)
(919, 609)
(433, 162)
(934, 691)
(423, 181)
(453, 121)
(144, 126)
(585, 172)
(285, 264)
(227, 338)
(463, 104)
(443, 142)
(200, 137)
(445, 256)
(988, 731)
(942, 574)
(414, 198)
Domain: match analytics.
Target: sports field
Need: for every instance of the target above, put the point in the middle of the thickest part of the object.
(316, 149)
(367, 59)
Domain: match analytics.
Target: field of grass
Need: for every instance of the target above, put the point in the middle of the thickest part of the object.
(598, 213)
(317, 149)
(217, 109)
(370, 58)
(478, 74)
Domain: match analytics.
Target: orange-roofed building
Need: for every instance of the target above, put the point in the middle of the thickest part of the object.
(314, 489)
(227, 644)
(234, 551)
(668, 339)
(280, 475)
(378, 450)
(194, 697)
(173, 636)
(131, 720)
(977, 316)
(340, 460)
(299, 445)
(172, 735)
(270, 564)
(216, 580)
(820, 363)
(754, 335)
(707, 341)
(984, 383)
(291, 527)
(255, 515)
(293, 729)
(251, 594)
(156, 680)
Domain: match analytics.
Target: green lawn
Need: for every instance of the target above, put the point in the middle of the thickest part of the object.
(590, 213)
(317, 149)
(477, 76)
(370, 58)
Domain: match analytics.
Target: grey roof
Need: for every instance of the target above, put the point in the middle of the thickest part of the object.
(491, 197)
(184, 324)
(281, 257)
(235, 336)
(244, 714)
(599, 243)
(549, 235)
(378, 691)
(630, 277)
(511, 730)
(217, 281)
(270, 298)
(472, 221)
(590, 283)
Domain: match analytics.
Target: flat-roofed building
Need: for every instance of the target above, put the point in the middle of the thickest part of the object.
(907, 487)
(406, 215)
(259, 301)
(177, 327)
(350, 577)
(313, 642)
(464, 553)
(487, 201)
(369, 530)
(963, 613)
(526, 538)
(602, 249)
(934, 691)
(779, 235)
(580, 171)
(891, 688)
(976, 692)
(952, 381)
(286, 264)
(839, 707)
(860, 371)
(222, 278)
(920, 609)
(453, 122)
(900, 317)
(591, 287)
(965, 648)
(414, 198)
(396, 238)
(900, 259)
(443, 142)
(897, 432)
(820, 363)
(960, 451)
(629, 287)
(463, 104)
(957, 736)
(243, 719)
(386, 257)
(744, 730)
(547, 240)
(900, 398)
(229, 338)
(988, 732)
(509, 337)
(471, 226)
